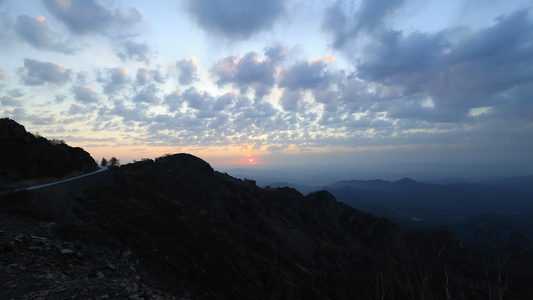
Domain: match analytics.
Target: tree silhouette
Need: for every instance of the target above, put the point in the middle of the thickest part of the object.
(104, 162)
(501, 248)
(114, 162)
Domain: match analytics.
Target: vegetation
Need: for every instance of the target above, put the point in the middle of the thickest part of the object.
(114, 162)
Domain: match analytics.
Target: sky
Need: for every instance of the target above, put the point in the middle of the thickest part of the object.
(404, 85)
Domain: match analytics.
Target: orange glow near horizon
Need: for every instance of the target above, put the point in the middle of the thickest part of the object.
(216, 157)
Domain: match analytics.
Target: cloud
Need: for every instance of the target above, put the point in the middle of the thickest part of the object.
(307, 75)
(60, 98)
(457, 69)
(38, 73)
(247, 72)
(276, 53)
(133, 51)
(37, 32)
(38, 119)
(143, 76)
(3, 77)
(85, 94)
(356, 96)
(408, 60)
(115, 79)
(234, 19)
(147, 75)
(329, 98)
(372, 13)
(188, 71)
(344, 24)
(173, 101)
(83, 17)
(518, 107)
(147, 94)
(259, 110)
(136, 113)
(7, 33)
(224, 101)
(78, 109)
(197, 99)
(10, 101)
(291, 99)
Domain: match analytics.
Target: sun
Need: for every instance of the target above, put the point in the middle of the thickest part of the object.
(250, 160)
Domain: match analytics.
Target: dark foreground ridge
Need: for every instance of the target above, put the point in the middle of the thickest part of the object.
(27, 159)
(174, 228)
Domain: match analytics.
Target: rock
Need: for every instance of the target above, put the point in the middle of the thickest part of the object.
(59, 289)
(44, 293)
(67, 251)
(128, 290)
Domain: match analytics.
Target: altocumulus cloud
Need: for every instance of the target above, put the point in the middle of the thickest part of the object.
(92, 16)
(440, 76)
(148, 94)
(130, 50)
(345, 23)
(387, 86)
(307, 75)
(188, 70)
(147, 75)
(10, 101)
(38, 73)
(114, 79)
(234, 19)
(37, 33)
(247, 72)
(85, 94)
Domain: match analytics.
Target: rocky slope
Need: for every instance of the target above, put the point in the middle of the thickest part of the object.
(28, 160)
(174, 228)
(175, 224)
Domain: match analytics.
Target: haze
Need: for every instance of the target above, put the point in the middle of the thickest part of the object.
(369, 89)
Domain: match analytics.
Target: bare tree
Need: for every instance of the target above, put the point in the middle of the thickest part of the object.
(500, 247)
(427, 256)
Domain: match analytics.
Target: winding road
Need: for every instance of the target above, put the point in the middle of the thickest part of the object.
(35, 187)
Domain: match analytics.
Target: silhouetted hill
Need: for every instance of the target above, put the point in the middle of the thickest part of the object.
(524, 183)
(27, 160)
(178, 225)
(302, 188)
(414, 204)
(174, 228)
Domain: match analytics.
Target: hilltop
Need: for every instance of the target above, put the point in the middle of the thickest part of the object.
(27, 159)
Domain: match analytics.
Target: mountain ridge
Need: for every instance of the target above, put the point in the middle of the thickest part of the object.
(29, 160)
(176, 225)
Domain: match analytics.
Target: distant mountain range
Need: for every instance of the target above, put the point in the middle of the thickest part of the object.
(416, 204)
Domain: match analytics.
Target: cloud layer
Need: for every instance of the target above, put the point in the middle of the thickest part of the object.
(96, 66)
